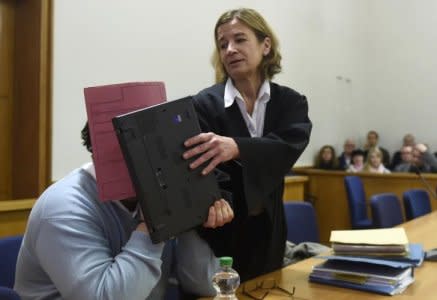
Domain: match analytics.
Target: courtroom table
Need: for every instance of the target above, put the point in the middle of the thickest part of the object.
(13, 216)
(421, 230)
(326, 191)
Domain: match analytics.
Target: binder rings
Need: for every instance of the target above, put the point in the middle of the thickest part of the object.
(173, 198)
(102, 104)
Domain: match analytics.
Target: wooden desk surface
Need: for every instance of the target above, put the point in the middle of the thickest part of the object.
(421, 230)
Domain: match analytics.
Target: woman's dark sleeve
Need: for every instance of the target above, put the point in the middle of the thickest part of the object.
(266, 160)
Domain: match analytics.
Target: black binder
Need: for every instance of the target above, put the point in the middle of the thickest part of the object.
(173, 197)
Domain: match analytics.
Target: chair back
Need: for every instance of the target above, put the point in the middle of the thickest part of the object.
(8, 294)
(9, 247)
(357, 203)
(301, 222)
(416, 203)
(386, 210)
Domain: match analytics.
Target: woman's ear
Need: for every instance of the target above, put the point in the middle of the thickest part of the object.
(267, 46)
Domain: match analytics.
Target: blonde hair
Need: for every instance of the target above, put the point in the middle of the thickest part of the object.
(373, 150)
(271, 63)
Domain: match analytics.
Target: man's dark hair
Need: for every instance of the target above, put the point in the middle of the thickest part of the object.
(86, 138)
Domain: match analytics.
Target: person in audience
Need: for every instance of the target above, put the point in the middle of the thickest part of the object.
(326, 159)
(374, 162)
(372, 142)
(78, 247)
(406, 160)
(357, 161)
(408, 140)
(344, 160)
(423, 160)
(254, 130)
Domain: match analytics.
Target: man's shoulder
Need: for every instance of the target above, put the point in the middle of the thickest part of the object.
(75, 192)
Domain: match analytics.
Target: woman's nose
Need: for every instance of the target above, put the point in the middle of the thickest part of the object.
(231, 48)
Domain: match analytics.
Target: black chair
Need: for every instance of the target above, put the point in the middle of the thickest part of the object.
(301, 222)
(386, 210)
(9, 247)
(357, 203)
(416, 203)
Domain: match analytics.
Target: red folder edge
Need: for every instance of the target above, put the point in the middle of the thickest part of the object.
(102, 104)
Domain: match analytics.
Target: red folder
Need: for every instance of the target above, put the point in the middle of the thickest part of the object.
(102, 104)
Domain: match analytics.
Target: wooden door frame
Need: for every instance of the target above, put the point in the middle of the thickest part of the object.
(32, 104)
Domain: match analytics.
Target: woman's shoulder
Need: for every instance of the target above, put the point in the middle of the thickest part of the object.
(285, 92)
(210, 98)
(216, 91)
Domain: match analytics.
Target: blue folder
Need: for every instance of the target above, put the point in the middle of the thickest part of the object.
(381, 276)
(414, 257)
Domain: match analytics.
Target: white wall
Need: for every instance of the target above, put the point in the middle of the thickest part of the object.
(363, 64)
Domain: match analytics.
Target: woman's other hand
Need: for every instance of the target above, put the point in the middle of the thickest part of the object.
(219, 214)
(210, 147)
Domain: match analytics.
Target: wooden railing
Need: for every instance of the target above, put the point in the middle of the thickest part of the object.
(14, 215)
(327, 192)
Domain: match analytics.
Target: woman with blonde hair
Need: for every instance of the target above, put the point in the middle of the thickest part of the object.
(253, 129)
(374, 162)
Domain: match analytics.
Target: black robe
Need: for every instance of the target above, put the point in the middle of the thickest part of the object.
(257, 178)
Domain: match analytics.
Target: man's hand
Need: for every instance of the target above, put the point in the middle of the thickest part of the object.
(211, 147)
(219, 214)
(142, 225)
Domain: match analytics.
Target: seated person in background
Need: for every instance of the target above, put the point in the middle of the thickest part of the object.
(78, 247)
(408, 140)
(326, 159)
(373, 141)
(374, 162)
(344, 160)
(406, 160)
(423, 160)
(357, 163)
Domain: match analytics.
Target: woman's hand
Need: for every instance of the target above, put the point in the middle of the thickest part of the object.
(211, 147)
(219, 214)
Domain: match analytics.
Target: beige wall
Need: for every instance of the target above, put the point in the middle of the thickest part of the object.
(363, 64)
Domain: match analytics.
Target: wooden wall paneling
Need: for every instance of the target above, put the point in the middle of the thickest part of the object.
(31, 107)
(14, 215)
(294, 188)
(6, 96)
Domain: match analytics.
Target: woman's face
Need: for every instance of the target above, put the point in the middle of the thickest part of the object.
(358, 160)
(240, 51)
(326, 154)
(375, 160)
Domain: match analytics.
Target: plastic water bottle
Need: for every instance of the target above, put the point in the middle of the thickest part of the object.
(226, 280)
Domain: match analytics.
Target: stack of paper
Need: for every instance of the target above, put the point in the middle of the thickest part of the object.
(375, 242)
(375, 260)
(373, 275)
(385, 243)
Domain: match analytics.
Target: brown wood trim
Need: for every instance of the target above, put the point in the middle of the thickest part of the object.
(394, 175)
(295, 178)
(44, 159)
(7, 44)
(17, 204)
(31, 125)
